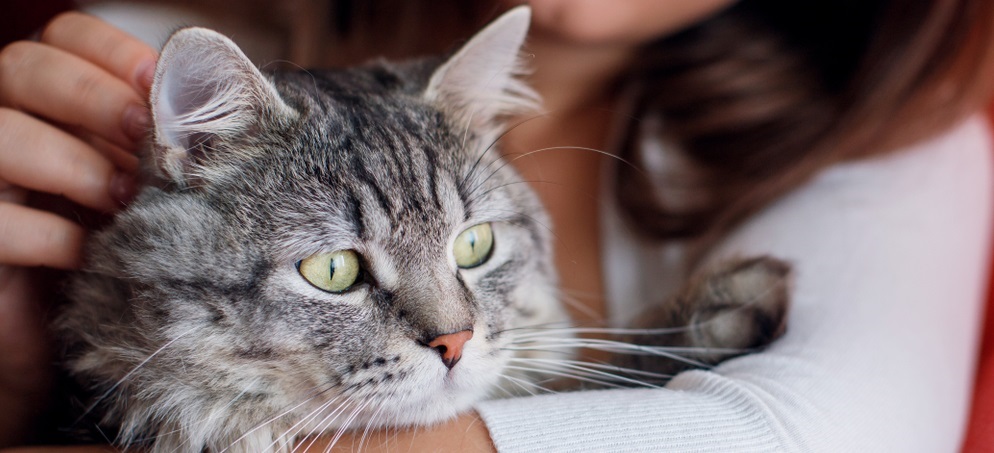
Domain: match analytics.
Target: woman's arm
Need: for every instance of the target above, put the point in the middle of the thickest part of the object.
(890, 258)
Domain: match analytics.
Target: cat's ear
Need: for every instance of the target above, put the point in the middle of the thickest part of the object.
(481, 83)
(206, 92)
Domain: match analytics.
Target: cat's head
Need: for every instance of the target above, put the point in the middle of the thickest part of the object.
(317, 240)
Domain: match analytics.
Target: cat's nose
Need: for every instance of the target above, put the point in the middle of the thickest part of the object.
(449, 346)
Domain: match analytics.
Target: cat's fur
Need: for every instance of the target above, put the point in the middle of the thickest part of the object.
(192, 327)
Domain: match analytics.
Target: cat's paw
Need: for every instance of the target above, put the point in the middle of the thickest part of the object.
(739, 305)
(725, 311)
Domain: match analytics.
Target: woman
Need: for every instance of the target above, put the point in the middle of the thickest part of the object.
(830, 134)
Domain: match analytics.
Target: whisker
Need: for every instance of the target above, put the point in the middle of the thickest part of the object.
(291, 433)
(564, 374)
(129, 373)
(619, 347)
(637, 349)
(553, 148)
(523, 385)
(529, 182)
(281, 415)
(345, 426)
(580, 307)
(605, 366)
(545, 325)
(598, 369)
(491, 146)
(315, 432)
(606, 330)
(370, 422)
(588, 372)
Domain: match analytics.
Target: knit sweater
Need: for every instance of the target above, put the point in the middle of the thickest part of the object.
(890, 257)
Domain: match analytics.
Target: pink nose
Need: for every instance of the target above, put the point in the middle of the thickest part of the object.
(449, 346)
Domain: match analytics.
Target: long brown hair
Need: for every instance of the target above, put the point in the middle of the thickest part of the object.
(765, 94)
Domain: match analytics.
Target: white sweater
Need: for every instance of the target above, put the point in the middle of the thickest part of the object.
(890, 257)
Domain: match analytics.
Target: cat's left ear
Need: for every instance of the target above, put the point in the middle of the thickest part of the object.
(481, 83)
(206, 94)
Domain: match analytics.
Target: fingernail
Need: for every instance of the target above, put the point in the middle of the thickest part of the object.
(137, 121)
(145, 74)
(123, 188)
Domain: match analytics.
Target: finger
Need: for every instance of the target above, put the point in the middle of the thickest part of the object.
(38, 156)
(29, 237)
(66, 88)
(121, 158)
(96, 41)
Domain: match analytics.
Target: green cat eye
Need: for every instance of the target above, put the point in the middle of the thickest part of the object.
(473, 246)
(334, 272)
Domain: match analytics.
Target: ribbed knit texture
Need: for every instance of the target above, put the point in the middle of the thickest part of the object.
(584, 421)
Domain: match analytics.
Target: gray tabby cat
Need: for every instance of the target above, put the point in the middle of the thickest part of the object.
(321, 250)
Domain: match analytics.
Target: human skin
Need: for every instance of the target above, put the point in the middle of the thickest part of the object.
(69, 107)
(75, 101)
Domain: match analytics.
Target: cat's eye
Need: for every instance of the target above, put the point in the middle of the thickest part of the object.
(334, 272)
(473, 246)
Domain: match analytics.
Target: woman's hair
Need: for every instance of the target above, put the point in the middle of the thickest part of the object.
(766, 93)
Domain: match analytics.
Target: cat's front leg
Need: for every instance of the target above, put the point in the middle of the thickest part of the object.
(732, 309)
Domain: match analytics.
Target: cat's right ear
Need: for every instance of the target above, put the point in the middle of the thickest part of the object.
(206, 93)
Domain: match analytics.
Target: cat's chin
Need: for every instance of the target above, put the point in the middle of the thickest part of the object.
(431, 399)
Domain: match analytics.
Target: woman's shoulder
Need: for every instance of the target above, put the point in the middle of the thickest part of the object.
(960, 157)
(934, 192)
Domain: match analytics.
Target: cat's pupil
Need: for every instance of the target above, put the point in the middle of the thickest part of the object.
(334, 272)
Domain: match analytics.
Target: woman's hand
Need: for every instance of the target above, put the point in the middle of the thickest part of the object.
(72, 111)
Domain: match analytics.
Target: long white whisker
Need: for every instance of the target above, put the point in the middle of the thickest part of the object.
(595, 343)
(315, 433)
(595, 374)
(523, 384)
(129, 373)
(370, 422)
(271, 420)
(291, 433)
(550, 344)
(588, 370)
(618, 347)
(472, 171)
(551, 148)
(564, 374)
(602, 366)
(602, 330)
(328, 419)
(345, 426)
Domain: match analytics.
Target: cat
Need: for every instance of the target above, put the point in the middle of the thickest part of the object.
(315, 250)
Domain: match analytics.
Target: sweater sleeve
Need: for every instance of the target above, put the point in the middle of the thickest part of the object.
(890, 256)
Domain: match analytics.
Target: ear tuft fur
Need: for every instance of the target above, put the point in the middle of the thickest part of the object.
(482, 83)
(205, 90)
